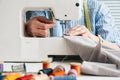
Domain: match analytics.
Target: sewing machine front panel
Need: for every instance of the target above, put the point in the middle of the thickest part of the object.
(14, 46)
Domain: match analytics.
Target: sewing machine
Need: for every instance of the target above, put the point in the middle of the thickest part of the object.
(14, 46)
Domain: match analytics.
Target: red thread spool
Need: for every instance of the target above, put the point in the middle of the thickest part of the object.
(46, 64)
(77, 67)
(26, 77)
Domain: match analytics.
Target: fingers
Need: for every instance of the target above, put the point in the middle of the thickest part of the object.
(82, 31)
(38, 26)
(40, 33)
(41, 23)
(44, 26)
(44, 20)
(78, 30)
(40, 30)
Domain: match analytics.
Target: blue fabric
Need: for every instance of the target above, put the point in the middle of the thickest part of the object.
(102, 22)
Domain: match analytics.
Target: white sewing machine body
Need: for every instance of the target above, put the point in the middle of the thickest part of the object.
(14, 46)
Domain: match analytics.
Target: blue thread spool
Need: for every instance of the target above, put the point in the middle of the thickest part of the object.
(46, 71)
(63, 78)
(2, 77)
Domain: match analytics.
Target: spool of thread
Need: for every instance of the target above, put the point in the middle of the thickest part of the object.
(25, 77)
(1, 66)
(12, 76)
(40, 77)
(59, 68)
(46, 71)
(63, 78)
(77, 67)
(60, 73)
(46, 64)
(2, 77)
(72, 72)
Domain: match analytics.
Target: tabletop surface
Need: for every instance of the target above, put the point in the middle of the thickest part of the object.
(35, 67)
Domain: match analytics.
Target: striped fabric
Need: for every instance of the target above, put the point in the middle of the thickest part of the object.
(102, 22)
(114, 6)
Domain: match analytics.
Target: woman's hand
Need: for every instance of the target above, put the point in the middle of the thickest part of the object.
(79, 30)
(38, 26)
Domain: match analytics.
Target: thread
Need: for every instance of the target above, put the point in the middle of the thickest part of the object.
(12, 76)
(25, 77)
(1, 66)
(77, 67)
(63, 78)
(72, 72)
(40, 77)
(2, 77)
(60, 73)
(58, 68)
(46, 64)
(46, 71)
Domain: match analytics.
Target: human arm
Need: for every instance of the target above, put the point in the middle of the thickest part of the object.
(79, 30)
(101, 23)
(105, 27)
(38, 25)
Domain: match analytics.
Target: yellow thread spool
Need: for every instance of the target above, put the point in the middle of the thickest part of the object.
(12, 76)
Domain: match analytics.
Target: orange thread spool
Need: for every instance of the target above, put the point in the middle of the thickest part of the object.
(60, 73)
(77, 67)
(46, 64)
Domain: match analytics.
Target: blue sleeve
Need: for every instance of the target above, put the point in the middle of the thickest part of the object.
(105, 25)
(33, 14)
